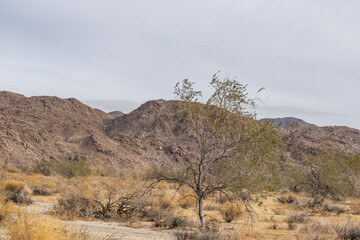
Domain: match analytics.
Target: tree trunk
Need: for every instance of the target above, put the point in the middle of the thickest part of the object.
(201, 212)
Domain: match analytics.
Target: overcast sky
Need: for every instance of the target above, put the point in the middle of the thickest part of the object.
(115, 54)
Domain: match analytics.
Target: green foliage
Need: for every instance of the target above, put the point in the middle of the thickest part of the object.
(256, 167)
(73, 168)
(330, 174)
(43, 167)
(227, 138)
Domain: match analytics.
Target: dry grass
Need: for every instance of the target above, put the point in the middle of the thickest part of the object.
(188, 202)
(287, 198)
(230, 211)
(6, 209)
(167, 208)
(13, 186)
(355, 207)
(32, 226)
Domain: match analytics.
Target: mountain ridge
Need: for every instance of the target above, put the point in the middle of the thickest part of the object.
(49, 128)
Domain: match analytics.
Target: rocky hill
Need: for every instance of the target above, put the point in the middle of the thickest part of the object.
(117, 114)
(50, 128)
(37, 128)
(284, 122)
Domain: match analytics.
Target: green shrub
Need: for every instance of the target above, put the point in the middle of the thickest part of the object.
(43, 167)
(73, 168)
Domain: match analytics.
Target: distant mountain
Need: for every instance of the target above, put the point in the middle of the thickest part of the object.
(284, 122)
(50, 128)
(117, 114)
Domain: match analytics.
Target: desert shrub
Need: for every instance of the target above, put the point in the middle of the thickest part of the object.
(31, 226)
(187, 202)
(287, 198)
(347, 231)
(294, 218)
(331, 175)
(169, 220)
(315, 228)
(332, 209)
(196, 235)
(230, 211)
(43, 167)
(17, 192)
(13, 185)
(46, 188)
(73, 168)
(74, 205)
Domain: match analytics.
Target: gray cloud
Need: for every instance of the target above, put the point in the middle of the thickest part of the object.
(305, 53)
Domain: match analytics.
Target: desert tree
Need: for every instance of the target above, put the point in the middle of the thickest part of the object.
(226, 138)
(329, 174)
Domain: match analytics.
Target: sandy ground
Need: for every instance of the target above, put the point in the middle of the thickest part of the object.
(103, 229)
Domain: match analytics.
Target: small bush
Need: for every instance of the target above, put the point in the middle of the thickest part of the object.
(287, 198)
(73, 205)
(169, 221)
(204, 235)
(17, 192)
(294, 218)
(196, 235)
(13, 186)
(347, 231)
(73, 168)
(230, 211)
(43, 167)
(315, 228)
(45, 189)
(333, 209)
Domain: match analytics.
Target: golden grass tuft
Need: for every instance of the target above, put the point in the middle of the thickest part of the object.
(13, 186)
(6, 209)
(31, 226)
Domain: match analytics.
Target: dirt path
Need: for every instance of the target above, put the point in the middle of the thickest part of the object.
(103, 229)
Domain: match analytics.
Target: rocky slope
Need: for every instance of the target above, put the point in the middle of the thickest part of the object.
(285, 122)
(116, 114)
(37, 128)
(50, 128)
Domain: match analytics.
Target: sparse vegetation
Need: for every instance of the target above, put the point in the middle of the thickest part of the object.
(17, 192)
(287, 198)
(348, 231)
(230, 211)
(294, 218)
